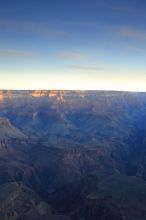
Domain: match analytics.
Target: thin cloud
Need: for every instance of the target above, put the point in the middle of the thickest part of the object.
(133, 48)
(132, 33)
(38, 28)
(131, 6)
(129, 47)
(116, 5)
(70, 56)
(82, 67)
(13, 53)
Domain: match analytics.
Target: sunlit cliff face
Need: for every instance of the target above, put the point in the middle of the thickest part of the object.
(53, 93)
(1, 97)
(38, 93)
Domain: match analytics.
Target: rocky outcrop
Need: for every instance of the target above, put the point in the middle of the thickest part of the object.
(8, 131)
(20, 202)
(1, 96)
(39, 93)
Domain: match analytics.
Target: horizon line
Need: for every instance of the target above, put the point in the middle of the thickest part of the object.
(92, 90)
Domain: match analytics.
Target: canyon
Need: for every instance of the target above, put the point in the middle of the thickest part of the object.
(72, 155)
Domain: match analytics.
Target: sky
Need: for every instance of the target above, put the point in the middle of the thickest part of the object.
(73, 44)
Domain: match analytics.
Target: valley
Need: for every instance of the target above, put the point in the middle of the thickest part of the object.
(72, 155)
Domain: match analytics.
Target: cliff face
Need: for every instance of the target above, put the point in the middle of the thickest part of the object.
(8, 131)
(7, 94)
(1, 97)
(18, 201)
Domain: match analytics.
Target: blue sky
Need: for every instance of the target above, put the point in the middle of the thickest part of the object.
(73, 44)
